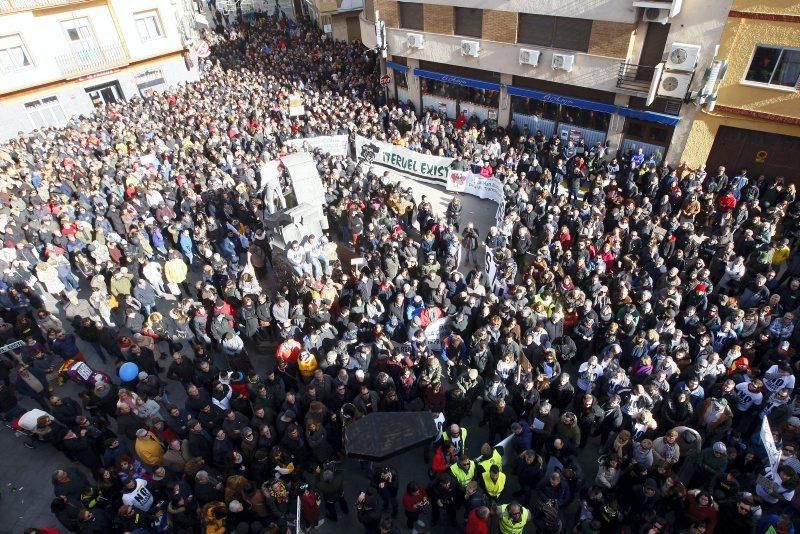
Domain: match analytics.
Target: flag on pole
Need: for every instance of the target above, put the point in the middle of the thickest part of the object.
(773, 454)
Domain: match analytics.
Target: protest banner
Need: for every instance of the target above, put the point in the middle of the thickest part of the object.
(474, 184)
(413, 165)
(335, 145)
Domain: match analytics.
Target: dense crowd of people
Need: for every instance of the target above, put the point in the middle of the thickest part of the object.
(641, 307)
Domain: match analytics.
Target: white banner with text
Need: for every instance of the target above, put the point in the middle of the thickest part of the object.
(335, 145)
(414, 165)
(474, 184)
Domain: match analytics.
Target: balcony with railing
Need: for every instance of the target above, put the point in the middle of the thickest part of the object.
(14, 6)
(92, 59)
(633, 79)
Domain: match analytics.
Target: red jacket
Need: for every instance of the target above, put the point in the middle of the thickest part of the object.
(707, 514)
(439, 464)
(727, 202)
(289, 351)
(415, 503)
(476, 525)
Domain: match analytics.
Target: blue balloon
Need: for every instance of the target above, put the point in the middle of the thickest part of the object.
(128, 372)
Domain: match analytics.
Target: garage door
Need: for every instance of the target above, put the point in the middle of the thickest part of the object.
(760, 152)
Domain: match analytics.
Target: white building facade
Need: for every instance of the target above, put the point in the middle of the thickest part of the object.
(65, 58)
(574, 69)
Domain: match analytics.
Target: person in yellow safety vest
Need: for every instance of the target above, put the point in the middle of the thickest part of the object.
(494, 482)
(513, 518)
(490, 456)
(457, 436)
(463, 472)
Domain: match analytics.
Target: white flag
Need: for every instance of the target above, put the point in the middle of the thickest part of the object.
(773, 453)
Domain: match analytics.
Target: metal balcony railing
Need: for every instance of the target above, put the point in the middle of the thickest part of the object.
(634, 78)
(94, 59)
(13, 6)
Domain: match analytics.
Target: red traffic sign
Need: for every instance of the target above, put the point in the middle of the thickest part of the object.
(385, 80)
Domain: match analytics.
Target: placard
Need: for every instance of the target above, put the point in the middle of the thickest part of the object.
(296, 106)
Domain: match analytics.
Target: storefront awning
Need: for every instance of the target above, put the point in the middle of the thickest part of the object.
(396, 66)
(562, 100)
(649, 116)
(457, 80)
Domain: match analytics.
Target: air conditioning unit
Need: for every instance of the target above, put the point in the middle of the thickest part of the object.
(682, 57)
(470, 48)
(653, 14)
(529, 57)
(415, 40)
(674, 84)
(563, 61)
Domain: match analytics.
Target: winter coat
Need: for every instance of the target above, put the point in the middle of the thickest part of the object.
(49, 278)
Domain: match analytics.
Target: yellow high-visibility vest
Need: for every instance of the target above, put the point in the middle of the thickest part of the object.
(507, 526)
(463, 478)
(494, 489)
(446, 438)
(495, 459)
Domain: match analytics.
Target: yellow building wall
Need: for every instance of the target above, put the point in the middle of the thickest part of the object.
(706, 125)
(739, 41)
(783, 7)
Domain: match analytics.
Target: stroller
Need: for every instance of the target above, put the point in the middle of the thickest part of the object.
(25, 425)
(81, 373)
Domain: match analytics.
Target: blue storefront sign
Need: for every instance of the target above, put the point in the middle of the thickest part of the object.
(457, 80)
(562, 100)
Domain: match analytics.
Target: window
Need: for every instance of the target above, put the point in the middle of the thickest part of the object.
(535, 30)
(554, 32)
(572, 34)
(148, 26)
(46, 112)
(79, 33)
(468, 22)
(150, 80)
(775, 66)
(649, 132)
(568, 115)
(13, 55)
(411, 17)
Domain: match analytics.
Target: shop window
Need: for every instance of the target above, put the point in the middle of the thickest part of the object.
(775, 66)
(46, 112)
(401, 78)
(472, 95)
(150, 80)
(468, 22)
(554, 32)
(411, 17)
(535, 108)
(481, 97)
(583, 118)
(437, 88)
(648, 132)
